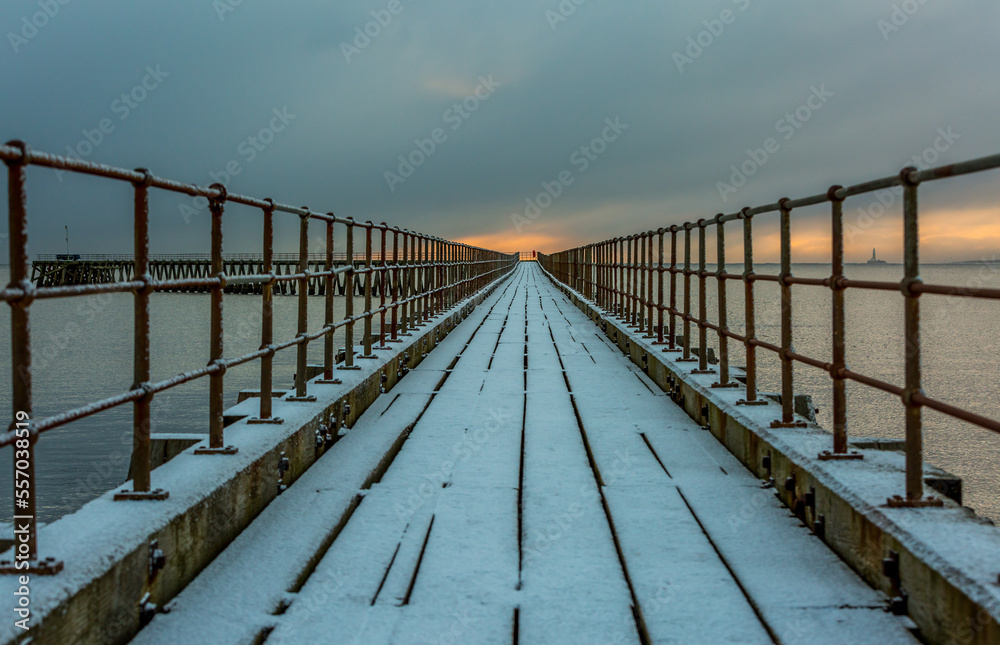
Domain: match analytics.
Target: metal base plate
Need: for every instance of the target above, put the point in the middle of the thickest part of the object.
(756, 402)
(134, 495)
(258, 420)
(309, 398)
(686, 360)
(46, 567)
(334, 381)
(826, 455)
(897, 501)
(348, 367)
(721, 385)
(792, 424)
(365, 356)
(227, 450)
(668, 349)
(708, 371)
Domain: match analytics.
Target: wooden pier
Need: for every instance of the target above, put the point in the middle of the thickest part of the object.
(71, 269)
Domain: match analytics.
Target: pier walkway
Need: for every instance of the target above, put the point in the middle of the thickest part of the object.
(546, 491)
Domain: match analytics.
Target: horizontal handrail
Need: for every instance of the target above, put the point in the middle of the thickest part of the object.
(419, 277)
(619, 274)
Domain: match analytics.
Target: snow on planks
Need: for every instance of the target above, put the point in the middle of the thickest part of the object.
(548, 493)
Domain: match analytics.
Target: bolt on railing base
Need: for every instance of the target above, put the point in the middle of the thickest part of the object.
(136, 495)
(225, 450)
(46, 567)
(789, 424)
(897, 501)
(309, 398)
(826, 455)
(259, 421)
(754, 402)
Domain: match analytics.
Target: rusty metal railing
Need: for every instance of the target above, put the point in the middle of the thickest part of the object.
(428, 276)
(610, 273)
(189, 257)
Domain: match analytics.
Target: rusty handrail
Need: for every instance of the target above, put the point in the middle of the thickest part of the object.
(614, 275)
(189, 257)
(434, 273)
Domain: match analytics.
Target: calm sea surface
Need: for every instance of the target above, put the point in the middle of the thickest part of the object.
(83, 351)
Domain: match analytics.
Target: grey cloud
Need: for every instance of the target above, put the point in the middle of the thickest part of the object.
(558, 85)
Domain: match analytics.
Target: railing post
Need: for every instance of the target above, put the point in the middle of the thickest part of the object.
(216, 401)
(633, 276)
(649, 284)
(720, 275)
(629, 318)
(659, 288)
(349, 302)
(591, 271)
(328, 348)
(911, 336)
(787, 386)
(141, 425)
(302, 349)
(382, 273)
(428, 280)
(599, 276)
(672, 336)
(703, 367)
(404, 280)
(621, 280)
(20, 346)
(368, 292)
(439, 271)
(686, 356)
(606, 276)
(395, 284)
(750, 329)
(421, 270)
(839, 324)
(448, 280)
(267, 321)
(141, 407)
(640, 241)
(330, 282)
(414, 286)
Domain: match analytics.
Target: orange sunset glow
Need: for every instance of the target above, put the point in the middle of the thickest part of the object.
(946, 236)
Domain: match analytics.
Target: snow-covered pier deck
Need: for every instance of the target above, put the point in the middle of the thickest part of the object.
(547, 491)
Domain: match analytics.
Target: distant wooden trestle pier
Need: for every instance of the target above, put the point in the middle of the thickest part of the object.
(72, 269)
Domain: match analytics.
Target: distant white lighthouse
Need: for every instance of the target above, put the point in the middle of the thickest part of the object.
(875, 260)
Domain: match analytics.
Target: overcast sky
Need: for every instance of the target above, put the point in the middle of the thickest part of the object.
(635, 115)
